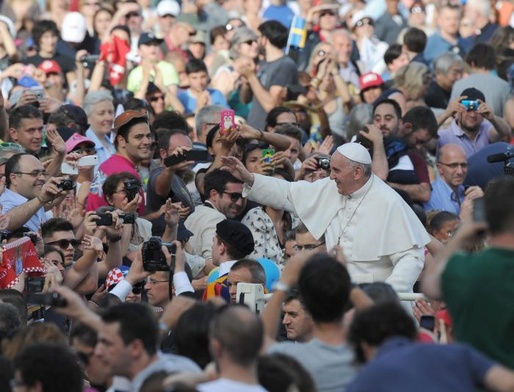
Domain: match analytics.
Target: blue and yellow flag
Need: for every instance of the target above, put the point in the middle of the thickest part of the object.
(297, 34)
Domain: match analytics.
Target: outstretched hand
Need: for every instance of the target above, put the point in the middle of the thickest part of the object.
(235, 167)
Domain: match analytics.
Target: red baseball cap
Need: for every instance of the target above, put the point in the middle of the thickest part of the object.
(370, 79)
(50, 66)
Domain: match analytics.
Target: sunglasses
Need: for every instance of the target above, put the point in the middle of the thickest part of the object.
(323, 13)
(156, 98)
(85, 150)
(364, 22)
(234, 196)
(132, 14)
(64, 244)
(250, 42)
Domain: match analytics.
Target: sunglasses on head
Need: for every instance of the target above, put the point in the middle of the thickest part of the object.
(64, 244)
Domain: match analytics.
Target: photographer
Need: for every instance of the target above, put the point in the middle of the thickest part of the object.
(315, 167)
(29, 192)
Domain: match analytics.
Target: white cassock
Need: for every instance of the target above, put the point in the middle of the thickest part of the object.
(381, 237)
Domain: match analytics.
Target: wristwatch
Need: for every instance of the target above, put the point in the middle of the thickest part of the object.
(280, 286)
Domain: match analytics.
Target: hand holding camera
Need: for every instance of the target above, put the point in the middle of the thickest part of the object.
(154, 256)
(52, 188)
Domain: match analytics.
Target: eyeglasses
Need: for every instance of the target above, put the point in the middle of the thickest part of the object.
(64, 244)
(157, 98)
(11, 145)
(91, 3)
(417, 10)
(363, 22)
(121, 191)
(35, 173)
(455, 165)
(132, 14)
(250, 42)
(152, 282)
(290, 123)
(234, 196)
(307, 246)
(323, 13)
(85, 150)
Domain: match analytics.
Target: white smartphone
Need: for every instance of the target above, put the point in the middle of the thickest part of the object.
(89, 160)
(66, 168)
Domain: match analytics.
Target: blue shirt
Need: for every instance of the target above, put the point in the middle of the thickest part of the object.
(437, 45)
(443, 197)
(189, 100)
(101, 151)
(403, 366)
(10, 200)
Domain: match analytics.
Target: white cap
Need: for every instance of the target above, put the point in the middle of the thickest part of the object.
(168, 7)
(359, 15)
(355, 152)
(73, 27)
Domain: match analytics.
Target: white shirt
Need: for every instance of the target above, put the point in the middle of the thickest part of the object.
(226, 385)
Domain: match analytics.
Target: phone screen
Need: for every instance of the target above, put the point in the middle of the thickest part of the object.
(227, 121)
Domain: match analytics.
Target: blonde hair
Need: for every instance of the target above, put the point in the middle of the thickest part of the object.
(413, 79)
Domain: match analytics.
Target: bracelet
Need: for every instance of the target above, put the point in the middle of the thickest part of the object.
(93, 302)
(261, 135)
(280, 286)
(114, 239)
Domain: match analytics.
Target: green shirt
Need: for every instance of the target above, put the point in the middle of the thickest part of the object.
(479, 292)
(168, 72)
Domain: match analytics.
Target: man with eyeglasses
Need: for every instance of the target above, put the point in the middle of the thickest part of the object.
(475, 125)
(28, 192)
(224, 200)
(448, 193)
(305, 241)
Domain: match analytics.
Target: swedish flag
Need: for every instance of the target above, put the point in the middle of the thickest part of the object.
(297, 33)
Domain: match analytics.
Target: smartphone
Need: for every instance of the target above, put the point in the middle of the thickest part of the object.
(267, 154)
(427, 321)
(105, 219)
(89, 160)
(66, 168)
(227, 121)
(191, 155)
(479, 210)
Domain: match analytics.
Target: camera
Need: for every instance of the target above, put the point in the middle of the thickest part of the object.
(105, 219)
(90, 58)
(323, 163)
(46, 299)
(153, 257)
(470, 105)
(66, 185)
(34, 285)
(128, 218)
(132, 188)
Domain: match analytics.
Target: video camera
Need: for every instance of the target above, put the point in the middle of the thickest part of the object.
(153, 257)
(507, 158)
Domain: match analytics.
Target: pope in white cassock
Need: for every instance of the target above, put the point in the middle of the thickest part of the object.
(381, 237)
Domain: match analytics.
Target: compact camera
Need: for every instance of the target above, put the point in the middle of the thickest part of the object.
(470, 105)
(66, 185)
(153, 257)
(323, 163)
(132, 188)
(106, 219)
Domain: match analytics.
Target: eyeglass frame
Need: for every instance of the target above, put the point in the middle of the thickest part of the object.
(456, 165)
(70, 242)
(233, 195)
(34, 174)
(301, 248)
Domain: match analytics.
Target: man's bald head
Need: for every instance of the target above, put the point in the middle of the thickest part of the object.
(236, 332)
(452, 164)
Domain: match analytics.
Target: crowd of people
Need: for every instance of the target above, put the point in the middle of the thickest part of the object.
(192, 198)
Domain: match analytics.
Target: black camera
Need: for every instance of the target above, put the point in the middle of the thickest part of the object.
(47, 299)
(105, 219)
(132, 188)
(323, 163)
(153, 257)
(66, 185)
(128, 218)
(34, 285)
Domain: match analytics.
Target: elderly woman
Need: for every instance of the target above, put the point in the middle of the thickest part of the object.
(99, 109)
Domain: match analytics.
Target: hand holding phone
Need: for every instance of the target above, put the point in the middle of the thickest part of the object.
(227, 121)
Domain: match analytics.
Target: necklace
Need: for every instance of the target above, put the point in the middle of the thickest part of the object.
(341, 232)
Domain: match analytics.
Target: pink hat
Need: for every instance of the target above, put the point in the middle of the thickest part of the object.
(75, 140)
(50, 66)
(370, 79)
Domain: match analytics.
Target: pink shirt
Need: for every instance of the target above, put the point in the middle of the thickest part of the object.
(113, 165)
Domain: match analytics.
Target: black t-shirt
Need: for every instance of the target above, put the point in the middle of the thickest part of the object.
(436, 97)
(67, 64)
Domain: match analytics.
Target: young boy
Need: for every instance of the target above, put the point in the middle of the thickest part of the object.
(198, 94)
